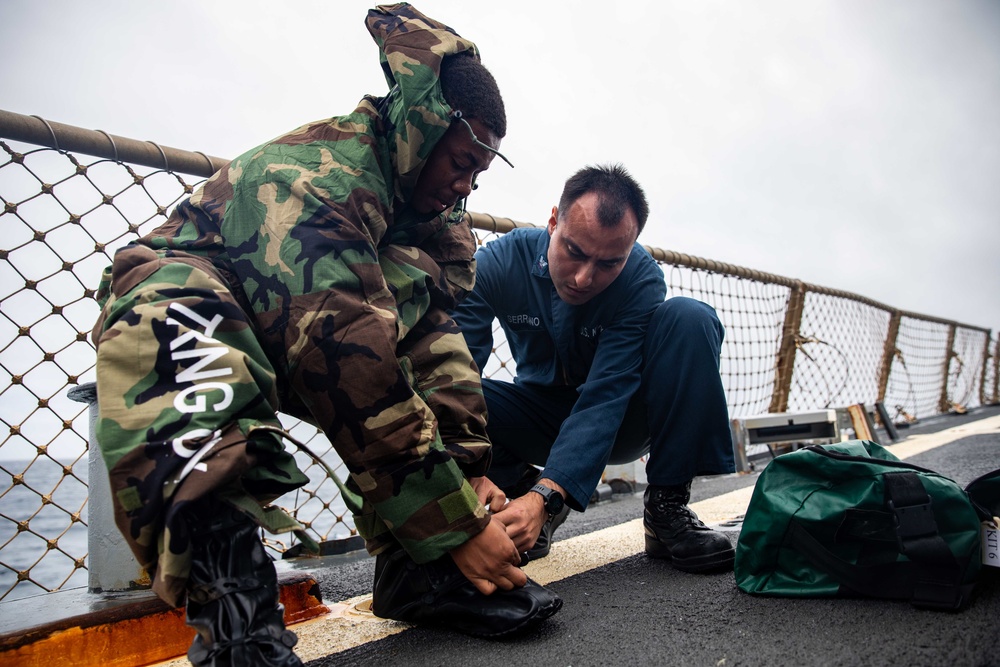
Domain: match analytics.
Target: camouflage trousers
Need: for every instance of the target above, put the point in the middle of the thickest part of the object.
(189, 381)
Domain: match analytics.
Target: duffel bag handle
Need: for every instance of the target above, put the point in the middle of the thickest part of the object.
(984, 491)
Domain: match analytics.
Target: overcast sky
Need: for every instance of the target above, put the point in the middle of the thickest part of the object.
(851, 144)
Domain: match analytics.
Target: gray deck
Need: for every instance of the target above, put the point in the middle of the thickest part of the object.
(621, 607)
(635, 610)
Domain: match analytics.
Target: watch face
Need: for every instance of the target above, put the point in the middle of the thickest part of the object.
(554, 503)
(553, 499)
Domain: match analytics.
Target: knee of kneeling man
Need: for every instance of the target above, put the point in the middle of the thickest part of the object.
(683, 316)
(687, 310)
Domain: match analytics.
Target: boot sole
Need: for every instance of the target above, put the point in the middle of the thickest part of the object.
(720, 560)
(543, 613)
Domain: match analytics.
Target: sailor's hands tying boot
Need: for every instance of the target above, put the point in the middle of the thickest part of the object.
(524, 517)
(490, 561)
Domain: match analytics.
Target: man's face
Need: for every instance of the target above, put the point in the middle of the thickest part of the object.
(584, 257)
(452, 167)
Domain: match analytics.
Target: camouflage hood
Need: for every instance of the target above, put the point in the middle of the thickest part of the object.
(415, 111)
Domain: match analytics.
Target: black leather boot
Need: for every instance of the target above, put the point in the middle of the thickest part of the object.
(675, 533)
(543, 544)
(233, 593)
(437, 593)
(540, 549)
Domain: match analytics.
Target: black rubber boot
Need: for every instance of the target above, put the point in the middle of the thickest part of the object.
(233, 593)
(437, 593)
(675, 533)
(543, 544)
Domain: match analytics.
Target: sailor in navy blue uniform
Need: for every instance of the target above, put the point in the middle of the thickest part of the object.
(607, 371)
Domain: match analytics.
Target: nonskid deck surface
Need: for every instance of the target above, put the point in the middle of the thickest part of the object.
(621, 607)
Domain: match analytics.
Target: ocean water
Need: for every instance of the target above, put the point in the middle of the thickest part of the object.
(52, 543)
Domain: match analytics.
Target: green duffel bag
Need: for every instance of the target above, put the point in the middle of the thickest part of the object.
(850, 519)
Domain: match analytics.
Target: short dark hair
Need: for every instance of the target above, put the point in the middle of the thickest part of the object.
(616, 189)
(468, 86)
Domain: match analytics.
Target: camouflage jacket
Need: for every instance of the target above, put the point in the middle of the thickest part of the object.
(348, 291)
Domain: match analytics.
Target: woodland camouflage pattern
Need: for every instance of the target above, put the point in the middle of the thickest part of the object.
(285, 283)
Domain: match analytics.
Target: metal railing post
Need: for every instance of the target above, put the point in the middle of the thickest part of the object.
(983, 400)
(888, 354)
(996, 371)
(785, 363)
(944, 405)
(110, 563)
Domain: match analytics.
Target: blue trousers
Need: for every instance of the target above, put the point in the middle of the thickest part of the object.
(679, 416)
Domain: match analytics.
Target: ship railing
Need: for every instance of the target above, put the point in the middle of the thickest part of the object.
(71, 197)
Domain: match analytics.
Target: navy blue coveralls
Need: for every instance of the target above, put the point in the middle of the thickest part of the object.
(609, 381)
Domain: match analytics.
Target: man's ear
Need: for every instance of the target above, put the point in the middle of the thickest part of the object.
(552, 220)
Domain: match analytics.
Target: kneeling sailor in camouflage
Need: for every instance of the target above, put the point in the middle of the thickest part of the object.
(313, 275)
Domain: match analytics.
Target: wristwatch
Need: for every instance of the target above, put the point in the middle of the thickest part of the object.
(553, 499)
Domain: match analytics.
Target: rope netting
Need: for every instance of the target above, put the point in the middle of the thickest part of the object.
(838, 352)
(66, 210)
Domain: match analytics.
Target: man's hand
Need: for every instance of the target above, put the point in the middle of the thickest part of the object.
(489, 493)
(490, 561)
(523, 517)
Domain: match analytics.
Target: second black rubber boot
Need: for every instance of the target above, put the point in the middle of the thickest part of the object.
(675, 533)
(233, 593)
(437, 593)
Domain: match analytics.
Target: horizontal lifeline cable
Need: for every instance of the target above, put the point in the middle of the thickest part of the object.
(35, 130)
